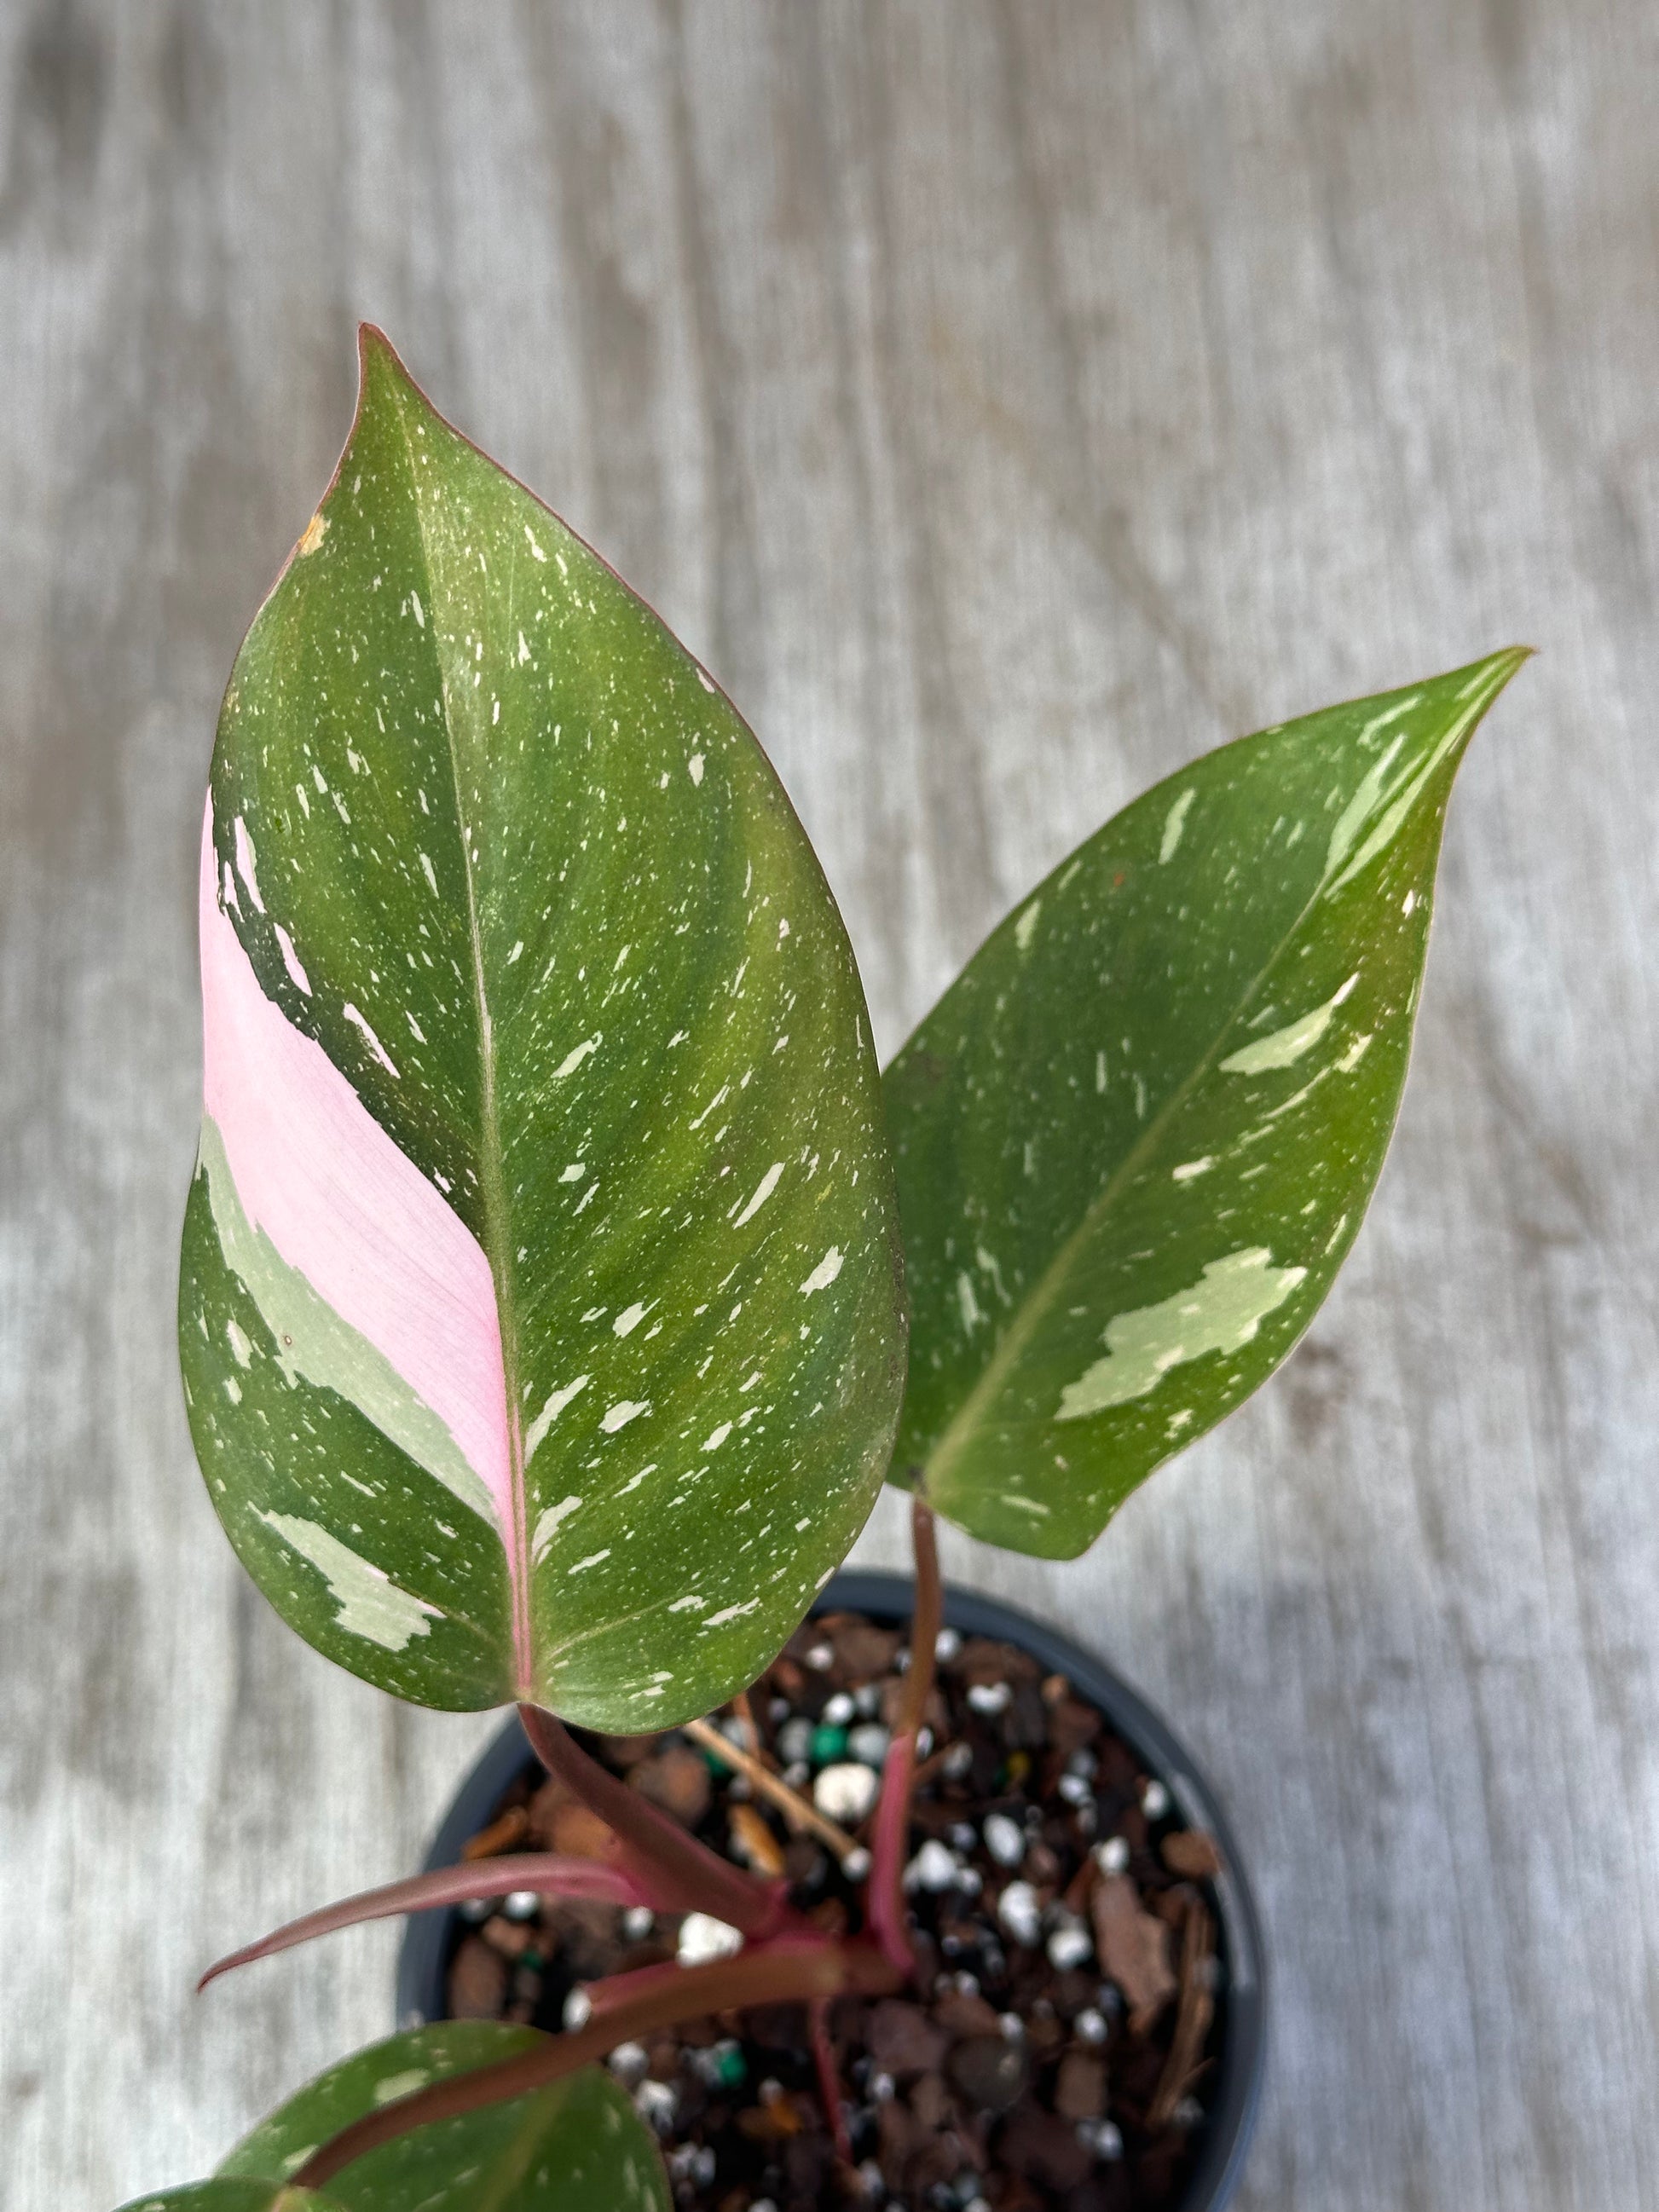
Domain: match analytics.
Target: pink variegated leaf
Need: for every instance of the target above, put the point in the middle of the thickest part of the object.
(539, 1308)
(574, 2145)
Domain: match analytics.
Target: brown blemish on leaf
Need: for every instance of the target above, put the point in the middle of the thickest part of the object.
(314, 530)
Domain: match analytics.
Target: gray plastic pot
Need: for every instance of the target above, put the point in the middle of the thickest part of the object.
(1241, 2002)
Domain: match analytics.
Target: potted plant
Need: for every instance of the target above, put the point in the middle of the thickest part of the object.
(547, 1276)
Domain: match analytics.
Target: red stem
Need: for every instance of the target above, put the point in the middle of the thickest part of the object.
(890, 1840)
(824, 2058)
(682, 1875)
(544, 1872)
(780, 1973)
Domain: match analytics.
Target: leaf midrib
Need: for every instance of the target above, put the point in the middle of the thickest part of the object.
(492, 1184)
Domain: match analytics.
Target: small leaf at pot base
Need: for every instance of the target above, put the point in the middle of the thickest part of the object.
(1137, 1136)
(539, 1311)
(224, 2194)
(577, 2145)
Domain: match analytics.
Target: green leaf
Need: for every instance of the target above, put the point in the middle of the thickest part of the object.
(228, 2196)
(540, 1314)
(577, 2145)
(1137, 1135)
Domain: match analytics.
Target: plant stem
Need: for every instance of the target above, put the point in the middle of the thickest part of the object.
(824, 2058)
(926, 1618)
(542, 1871)
(681, 1874)
(800, 1812)
(887, 1914)
(789, 1971)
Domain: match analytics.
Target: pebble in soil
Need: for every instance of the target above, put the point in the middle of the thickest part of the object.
(1057, 2051)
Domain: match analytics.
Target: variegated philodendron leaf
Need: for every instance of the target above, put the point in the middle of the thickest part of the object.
(577, 2145)
(540, 1314)
(226, 2196)
(1136, 1137)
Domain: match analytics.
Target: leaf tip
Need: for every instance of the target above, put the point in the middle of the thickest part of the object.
(1493, 674)
(375, 348)
(381, 367)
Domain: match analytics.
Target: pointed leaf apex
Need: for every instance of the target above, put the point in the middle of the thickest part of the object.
(381, 367)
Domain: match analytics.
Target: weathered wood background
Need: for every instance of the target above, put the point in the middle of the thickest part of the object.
(1008, 402)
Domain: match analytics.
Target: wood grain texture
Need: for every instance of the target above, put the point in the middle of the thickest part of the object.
(1008, 402)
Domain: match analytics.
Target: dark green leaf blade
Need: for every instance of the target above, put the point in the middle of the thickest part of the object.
(539, 1311)
(577, 2145)
(1136, 1138)
(225, 2195)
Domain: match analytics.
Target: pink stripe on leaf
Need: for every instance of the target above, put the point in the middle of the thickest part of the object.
(347, 1208)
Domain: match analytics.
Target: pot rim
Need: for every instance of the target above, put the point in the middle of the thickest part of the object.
(1233, 2110)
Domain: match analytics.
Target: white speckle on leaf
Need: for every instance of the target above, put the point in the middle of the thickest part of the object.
(429, 872)
(244, 868)
(688, 1604)
(624, 1410)
(1221, 1312)
(1025, 927)
(388, 2091)
(763, 1190)
(547, 1525)
(694, 768)
(241, 1344)
(534, 547)
(574, 1172)
(592, 1560)
(574, 1058)
(1284, 1046)
(971, 1315)
(824, 1273)
(716, 1437)
(374, 1042)
(557, 1400)
(1189, 1168)
(630, 1317)
(513, 955)
(523, 649)
(707, 682)
(1355, 1053)
(730, 1613)
(1395, 803)
(296, 974)
(1174, 823)
(419, 611)
(371, 1605)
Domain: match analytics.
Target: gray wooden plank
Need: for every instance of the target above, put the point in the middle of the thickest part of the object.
(1009, 402)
